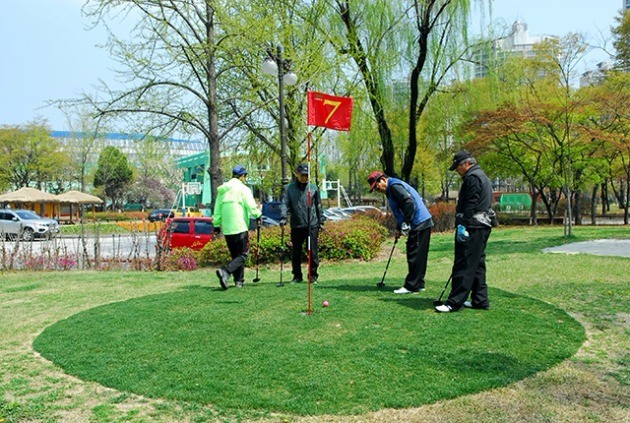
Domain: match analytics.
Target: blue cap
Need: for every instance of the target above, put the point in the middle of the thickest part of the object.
(239, 170)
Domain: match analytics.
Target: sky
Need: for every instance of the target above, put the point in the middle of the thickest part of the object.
(47, 53)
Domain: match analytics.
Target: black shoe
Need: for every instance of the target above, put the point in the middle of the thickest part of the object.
(296, 280)
(223, 277)
(468, 304)
(240, 284)
(314, 280)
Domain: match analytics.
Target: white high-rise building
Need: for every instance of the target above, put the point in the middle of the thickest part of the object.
(518, 42)
(594, 77)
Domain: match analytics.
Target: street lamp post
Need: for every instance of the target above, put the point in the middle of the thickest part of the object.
(276, 65)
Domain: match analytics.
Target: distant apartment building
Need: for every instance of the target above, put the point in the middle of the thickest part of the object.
(595, 76)
(518, 43)
(126, 143)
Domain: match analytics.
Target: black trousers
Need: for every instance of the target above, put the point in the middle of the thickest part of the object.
(417, 257)
(469, 270)
(238, 244)
(299, 237)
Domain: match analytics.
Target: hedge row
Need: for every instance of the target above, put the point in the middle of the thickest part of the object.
(357, 238)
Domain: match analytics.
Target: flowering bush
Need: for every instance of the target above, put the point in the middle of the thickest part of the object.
(387, 220)
(179, 259)
(443, 214)
(66, 262)
(140, 225)
(111, 216)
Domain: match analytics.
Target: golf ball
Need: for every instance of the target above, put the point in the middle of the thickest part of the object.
(325, 304)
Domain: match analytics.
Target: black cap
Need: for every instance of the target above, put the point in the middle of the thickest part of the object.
(302, 169)
(459, 157)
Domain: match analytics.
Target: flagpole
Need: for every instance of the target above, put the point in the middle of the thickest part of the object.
(309, 202)
(330, 112)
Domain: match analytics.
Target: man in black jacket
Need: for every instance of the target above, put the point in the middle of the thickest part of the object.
(473, 230)
(296, 204)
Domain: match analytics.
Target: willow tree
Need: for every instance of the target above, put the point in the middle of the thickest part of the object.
(289, 27)
(414, 44)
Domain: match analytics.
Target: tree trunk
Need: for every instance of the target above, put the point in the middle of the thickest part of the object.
(577, 206)
(214, 145)
(605, 204)
(533, 216)
(594, 205)
(627, 202)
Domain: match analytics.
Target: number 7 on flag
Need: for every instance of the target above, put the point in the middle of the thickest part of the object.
(329, 111)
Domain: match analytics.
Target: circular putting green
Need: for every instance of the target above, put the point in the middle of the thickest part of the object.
(255, 350)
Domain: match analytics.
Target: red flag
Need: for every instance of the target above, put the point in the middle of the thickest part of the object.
(329, 111)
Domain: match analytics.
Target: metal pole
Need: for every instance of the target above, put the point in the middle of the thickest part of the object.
(338, 193)
(283, 134)
(183, 200)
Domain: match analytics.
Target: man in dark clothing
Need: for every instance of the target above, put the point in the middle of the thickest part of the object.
(414, 220)
(300, 193)
(473, 230)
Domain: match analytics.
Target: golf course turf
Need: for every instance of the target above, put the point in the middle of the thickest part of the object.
(256, 348)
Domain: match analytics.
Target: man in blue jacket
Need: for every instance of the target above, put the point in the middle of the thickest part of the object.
(414, 220)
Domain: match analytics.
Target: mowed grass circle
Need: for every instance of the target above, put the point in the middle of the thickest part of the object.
(256, 350)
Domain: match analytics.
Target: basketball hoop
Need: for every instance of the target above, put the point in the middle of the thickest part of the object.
(193, 188)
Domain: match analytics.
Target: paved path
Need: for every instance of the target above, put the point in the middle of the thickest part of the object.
(599, 247)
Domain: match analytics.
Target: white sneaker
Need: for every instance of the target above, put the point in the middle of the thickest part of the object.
(468, 304)
(403, 290)
(443, 308)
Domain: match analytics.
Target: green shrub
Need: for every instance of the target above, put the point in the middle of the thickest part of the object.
(214, 253)
(357, 238)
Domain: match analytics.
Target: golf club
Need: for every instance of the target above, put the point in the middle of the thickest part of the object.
(439, 302)
(279, 284)
(257, 279)
(382, 282)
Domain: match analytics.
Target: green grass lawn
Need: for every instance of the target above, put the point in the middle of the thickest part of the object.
(175, 347)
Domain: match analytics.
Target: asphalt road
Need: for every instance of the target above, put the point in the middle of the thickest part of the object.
(122, 246)
(599, 247)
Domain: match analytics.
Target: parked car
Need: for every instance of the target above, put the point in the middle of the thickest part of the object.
(332, 216)
(191, 232)
(266, 222)
(339, 212)
(187, 212)
(158, 215)
(271, 209)
(361, 209)
(26, 225)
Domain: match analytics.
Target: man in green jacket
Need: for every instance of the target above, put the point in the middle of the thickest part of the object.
(232, 210)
